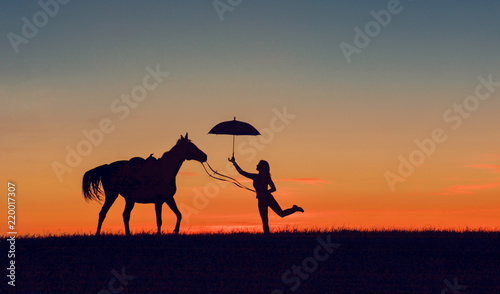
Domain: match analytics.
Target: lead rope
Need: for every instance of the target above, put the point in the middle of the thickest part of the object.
(229, 179)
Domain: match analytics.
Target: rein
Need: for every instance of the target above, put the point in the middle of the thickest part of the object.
(224, 177)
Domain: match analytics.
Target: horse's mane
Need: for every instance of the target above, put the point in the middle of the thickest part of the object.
(168, 155)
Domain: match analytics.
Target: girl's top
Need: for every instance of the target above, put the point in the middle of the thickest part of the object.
(260, 182)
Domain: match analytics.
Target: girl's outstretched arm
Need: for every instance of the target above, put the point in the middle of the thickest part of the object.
(242, 172)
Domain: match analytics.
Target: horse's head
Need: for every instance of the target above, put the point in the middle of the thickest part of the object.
(190, 150)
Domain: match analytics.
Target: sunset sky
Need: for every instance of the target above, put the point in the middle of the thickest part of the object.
(400, 132)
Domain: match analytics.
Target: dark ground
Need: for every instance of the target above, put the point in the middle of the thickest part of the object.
(365, 262)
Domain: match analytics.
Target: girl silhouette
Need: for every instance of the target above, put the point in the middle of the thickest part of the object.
(261, 181)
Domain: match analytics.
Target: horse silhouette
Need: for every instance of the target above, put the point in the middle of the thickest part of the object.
(141, 181)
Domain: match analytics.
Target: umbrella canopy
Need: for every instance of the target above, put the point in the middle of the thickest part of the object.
(235, 128)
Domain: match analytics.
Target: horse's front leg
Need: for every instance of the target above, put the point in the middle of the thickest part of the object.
(171, 203)
(158, 206)
(126, 215)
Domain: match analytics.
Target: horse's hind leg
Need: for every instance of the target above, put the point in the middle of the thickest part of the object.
(158, 206)
(171, 203)
(126, 215)
(110, 199)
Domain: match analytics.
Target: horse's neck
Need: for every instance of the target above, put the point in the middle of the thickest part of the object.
(171, 163)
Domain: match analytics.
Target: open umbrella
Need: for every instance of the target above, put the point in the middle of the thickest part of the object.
(235, 128)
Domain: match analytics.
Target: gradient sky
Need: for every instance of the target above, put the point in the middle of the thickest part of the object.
(352, 121)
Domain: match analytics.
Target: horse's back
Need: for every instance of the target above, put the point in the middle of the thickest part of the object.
(136, 173)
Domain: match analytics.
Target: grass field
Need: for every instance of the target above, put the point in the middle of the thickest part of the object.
(338, 261)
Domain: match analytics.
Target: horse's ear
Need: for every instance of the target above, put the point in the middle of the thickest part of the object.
(182, 138)
(186, 137)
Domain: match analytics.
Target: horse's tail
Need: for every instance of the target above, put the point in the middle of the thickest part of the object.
(91, 182)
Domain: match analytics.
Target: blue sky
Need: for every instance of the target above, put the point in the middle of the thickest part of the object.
(85, 38)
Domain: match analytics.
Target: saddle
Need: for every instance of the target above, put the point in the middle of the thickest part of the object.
(145, 170)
